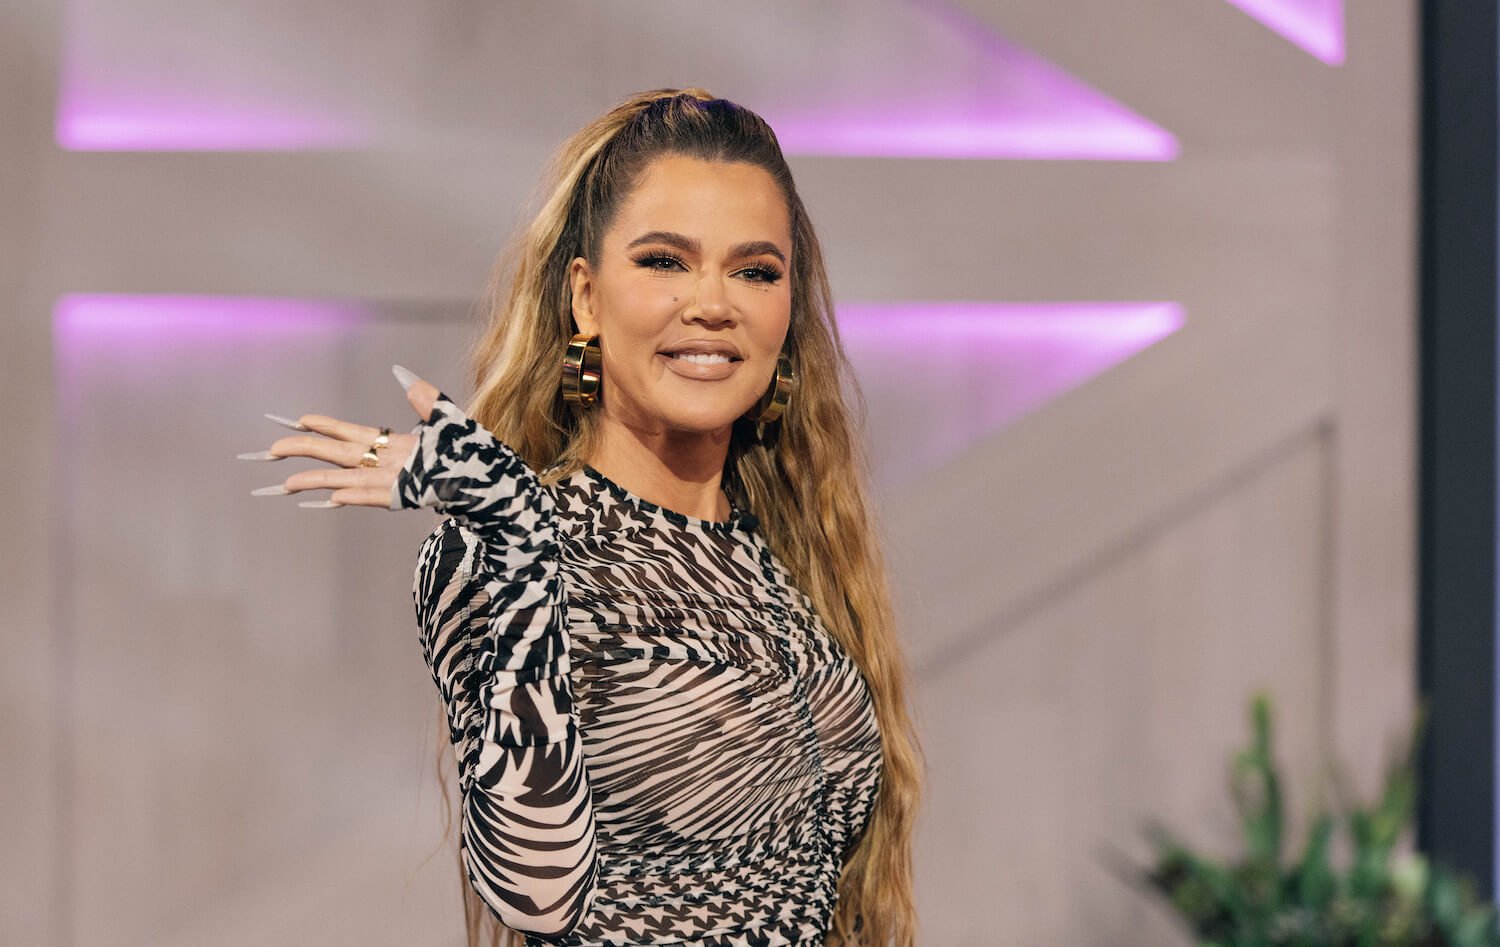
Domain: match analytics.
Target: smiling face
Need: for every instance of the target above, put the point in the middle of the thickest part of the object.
(697, 260)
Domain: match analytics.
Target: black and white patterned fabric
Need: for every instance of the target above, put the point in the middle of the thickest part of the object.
(657, 740)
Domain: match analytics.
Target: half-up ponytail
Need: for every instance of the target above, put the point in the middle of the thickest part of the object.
(807, 484)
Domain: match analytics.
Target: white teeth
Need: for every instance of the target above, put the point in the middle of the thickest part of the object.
(705, 358)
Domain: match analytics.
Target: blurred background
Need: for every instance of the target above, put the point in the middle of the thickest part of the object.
(1136, 293)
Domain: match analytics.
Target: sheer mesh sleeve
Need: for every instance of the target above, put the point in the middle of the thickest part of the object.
(490, 608)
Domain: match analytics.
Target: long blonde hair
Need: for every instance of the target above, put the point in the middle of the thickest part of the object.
(804, 476)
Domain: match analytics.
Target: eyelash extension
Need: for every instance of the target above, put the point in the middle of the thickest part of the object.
(648, 258)
(772, 274)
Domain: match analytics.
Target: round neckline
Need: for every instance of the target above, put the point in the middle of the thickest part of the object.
(737, 517)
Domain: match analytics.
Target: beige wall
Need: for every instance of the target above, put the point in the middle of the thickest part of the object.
(217, 726)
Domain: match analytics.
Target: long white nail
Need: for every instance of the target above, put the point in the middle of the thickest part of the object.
(259, 455)
(319, 504)
(288, 422)
(272, 491)
(404, 375)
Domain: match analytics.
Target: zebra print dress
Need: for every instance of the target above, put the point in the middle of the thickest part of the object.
(657, 740)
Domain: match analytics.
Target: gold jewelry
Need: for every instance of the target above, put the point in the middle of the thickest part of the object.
(582, 370)
(371, 456)
(777, 396)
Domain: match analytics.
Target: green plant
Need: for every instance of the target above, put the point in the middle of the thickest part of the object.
(1374, 901)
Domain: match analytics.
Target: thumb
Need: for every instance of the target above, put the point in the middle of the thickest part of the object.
(421, 394)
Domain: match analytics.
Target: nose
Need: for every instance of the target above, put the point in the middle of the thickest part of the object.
(710, 304)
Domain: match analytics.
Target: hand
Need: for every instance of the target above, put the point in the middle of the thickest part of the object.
(343, 443)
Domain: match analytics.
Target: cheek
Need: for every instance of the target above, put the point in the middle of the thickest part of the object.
(632, 367)
(772, 332)
(635, 330)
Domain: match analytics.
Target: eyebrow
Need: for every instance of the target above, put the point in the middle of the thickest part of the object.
(689, 245)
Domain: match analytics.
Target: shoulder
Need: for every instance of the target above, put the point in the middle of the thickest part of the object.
(448, 549)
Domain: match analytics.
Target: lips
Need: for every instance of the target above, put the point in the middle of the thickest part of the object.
(711, 371)
(704, 347)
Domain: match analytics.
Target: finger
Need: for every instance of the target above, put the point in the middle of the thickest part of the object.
(319, 479)
(421, 394)
(342, 453)
(339, 429)
(338, 478)
(354, 496)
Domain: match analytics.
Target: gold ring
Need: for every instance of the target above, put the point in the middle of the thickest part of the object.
(371, 456)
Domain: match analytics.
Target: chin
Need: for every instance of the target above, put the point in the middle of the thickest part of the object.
(703, 423)
(703, 427)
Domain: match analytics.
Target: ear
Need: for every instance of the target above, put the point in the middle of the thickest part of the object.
(582, 280)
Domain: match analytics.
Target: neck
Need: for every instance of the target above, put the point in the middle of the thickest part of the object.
(676, 470)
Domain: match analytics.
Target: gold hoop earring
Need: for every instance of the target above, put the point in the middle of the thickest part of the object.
(582, 370)
(773, 403)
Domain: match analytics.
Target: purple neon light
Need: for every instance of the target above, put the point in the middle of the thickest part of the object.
(1072, 132)
(940, 376)
(143, 338)
(937, 377)
(175, 322)
(963, 91)
(139, 329)
(163, 88)
(1315, 25)
(960, 92)
(170, 123)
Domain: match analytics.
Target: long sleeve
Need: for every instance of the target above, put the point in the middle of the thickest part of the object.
(490, 607)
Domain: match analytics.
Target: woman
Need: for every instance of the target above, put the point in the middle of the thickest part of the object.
(675, 720)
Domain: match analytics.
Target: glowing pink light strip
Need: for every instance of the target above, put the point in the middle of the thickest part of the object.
(1101, 134)
(139, 333)
(148, 108)
(964, 91)
(158, 321)
(1094, 325)
(938, 377)
(1317, 26)
(96, 125)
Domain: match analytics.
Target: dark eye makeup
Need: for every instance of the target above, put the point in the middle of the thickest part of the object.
(768, 274)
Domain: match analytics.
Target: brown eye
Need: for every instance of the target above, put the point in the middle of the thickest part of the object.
(768, 274)
(650, 260)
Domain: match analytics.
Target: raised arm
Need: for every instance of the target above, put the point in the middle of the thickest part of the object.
(490, 607)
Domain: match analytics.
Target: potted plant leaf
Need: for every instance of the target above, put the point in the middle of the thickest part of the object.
(1379, 899)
